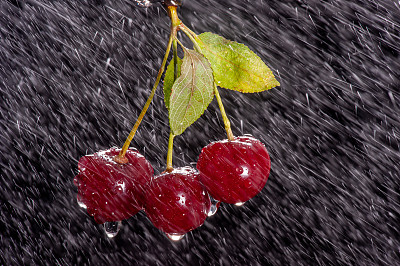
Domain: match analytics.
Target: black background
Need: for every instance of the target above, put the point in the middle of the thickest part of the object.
(332, 130)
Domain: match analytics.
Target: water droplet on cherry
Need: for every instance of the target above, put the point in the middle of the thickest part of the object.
(175, 237)
(112, 228)
(239, 204)
(213, 207)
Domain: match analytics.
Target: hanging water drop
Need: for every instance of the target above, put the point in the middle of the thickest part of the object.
(175, 237)
(112, 228)
(213, 207)
(239, 204)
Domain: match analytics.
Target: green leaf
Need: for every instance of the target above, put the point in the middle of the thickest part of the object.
(235, 66)
(169, 79)
(191, 93)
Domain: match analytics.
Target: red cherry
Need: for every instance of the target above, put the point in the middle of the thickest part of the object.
(112, 191)
(234, 171)
(176, 202)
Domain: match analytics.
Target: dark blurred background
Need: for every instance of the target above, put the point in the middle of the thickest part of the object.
(74, 76)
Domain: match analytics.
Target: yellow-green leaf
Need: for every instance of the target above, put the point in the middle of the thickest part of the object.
(191, 93)
(235, 66)
(169, 79)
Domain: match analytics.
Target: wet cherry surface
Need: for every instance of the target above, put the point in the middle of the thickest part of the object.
(111, 191)
(234, 171)
(176, 202)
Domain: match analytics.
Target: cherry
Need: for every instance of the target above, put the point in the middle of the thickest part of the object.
(234, 171)
(176, 202)
(112, 191)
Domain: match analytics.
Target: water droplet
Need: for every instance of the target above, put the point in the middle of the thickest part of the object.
(239, 204)
(244, 172)
(80, 203)
(175, 237)
(143, 3)
(112, 228)
(213, 207)
(121, 186)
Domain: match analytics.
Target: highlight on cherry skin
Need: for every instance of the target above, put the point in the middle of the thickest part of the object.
(111, 191)
(234, 171)
(176, 202)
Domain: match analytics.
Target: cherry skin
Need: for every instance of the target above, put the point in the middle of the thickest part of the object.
(112, 191)
(177, 202)
(234, 171)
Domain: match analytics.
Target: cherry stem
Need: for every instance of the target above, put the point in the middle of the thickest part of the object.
(227, 123)
(172, 136)
(175, 23)
(187, 31)
(120, 158)
(173, 14)
(170, 152)
(192, 36)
